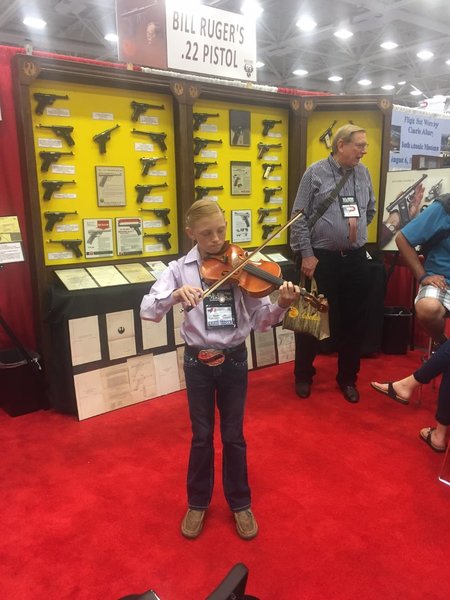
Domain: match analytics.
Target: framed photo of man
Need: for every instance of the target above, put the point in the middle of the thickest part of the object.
(239, 128)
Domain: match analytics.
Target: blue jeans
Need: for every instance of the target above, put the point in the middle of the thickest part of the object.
(225, 384)
(438, 363)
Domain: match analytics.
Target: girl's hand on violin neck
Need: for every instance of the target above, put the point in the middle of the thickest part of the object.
(289, 293)
(188, 295)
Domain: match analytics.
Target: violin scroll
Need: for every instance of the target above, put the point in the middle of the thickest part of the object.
(319, 302)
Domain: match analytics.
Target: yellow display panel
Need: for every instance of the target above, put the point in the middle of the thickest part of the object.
(234, 160)
(371, 121)
(91, 110)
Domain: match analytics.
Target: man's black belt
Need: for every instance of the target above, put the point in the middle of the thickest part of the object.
(341, 253)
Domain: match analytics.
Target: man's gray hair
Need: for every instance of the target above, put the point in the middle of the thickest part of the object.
(345, 134)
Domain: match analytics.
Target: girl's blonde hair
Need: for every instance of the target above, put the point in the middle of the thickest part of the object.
(201, 209)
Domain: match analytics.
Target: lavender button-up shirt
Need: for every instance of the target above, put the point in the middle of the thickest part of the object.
(251, 313)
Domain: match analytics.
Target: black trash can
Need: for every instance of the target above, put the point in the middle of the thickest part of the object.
(396, 330)
(21, 384)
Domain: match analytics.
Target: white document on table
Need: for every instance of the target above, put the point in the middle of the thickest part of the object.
(285, 344)
(76, 279)
(121, 335)
(265, 348)
(84, 340)
(107, 275)
(154, 334)
(141, 372)
(166, 370)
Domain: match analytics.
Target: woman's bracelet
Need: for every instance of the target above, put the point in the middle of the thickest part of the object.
(422, 277)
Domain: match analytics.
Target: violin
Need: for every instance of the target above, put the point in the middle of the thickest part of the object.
(222, 270)
(256, 278)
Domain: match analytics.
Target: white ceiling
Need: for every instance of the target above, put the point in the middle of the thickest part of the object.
(77, 27)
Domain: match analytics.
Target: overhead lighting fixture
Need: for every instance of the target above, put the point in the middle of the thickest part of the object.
(364, 82)
(259, 64)
(335, 78)
(401, 83)
(447, 62)
(112, 37)
(343, 34)
(34, 22)
(388, 87)
(300, 72)
(252, 8)
(415, 92)
(425, 54)
(306, 23)
(389, 45)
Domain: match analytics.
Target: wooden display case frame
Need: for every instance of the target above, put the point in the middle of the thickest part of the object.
(185, 92)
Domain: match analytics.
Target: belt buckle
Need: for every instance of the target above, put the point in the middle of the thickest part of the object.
(211, 357)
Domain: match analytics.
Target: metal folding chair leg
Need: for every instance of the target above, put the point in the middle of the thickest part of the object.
(444, 475)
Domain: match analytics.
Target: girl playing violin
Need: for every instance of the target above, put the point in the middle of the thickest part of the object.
(215, 364)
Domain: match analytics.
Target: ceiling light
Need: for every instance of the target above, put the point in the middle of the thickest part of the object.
(425, 54)
(251, 8)
(34, 22)
(112, 37)
(343, 34)
(401, 83)
(388, 87)
(447, 62)
(389, 45)
(364, 82)
(259, 64)
(305, 23)
(335, 78)
(415, 93)
(300, 72)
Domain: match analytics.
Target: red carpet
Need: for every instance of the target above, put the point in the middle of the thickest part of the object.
(346, 496)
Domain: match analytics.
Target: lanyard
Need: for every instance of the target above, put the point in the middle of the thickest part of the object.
(335, 182)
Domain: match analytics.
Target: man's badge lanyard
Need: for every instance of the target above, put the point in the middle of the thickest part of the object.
(349, 208)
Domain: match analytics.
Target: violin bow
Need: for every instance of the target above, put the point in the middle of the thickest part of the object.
(242, 264)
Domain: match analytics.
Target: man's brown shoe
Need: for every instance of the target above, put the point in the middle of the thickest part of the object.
(192, 524)
(246, 525)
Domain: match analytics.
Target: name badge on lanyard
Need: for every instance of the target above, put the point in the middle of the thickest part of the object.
(349, 207)
(220, 311)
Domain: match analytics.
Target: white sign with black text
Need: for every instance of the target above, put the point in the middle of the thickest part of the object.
(210, 41)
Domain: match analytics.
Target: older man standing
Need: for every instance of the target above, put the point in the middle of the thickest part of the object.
(332, 251)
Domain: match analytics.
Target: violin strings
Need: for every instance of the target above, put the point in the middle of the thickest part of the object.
(269, 277)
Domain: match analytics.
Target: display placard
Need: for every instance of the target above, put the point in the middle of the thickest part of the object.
(110, 186)
(241, 225)
(241, 178)
(408, 193)
(129, 236)
(98, 238)
(10, 241)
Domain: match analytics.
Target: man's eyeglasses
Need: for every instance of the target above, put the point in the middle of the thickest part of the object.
(362, 146)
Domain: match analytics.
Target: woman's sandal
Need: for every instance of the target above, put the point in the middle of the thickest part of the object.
(390, 392)
(427, 439)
